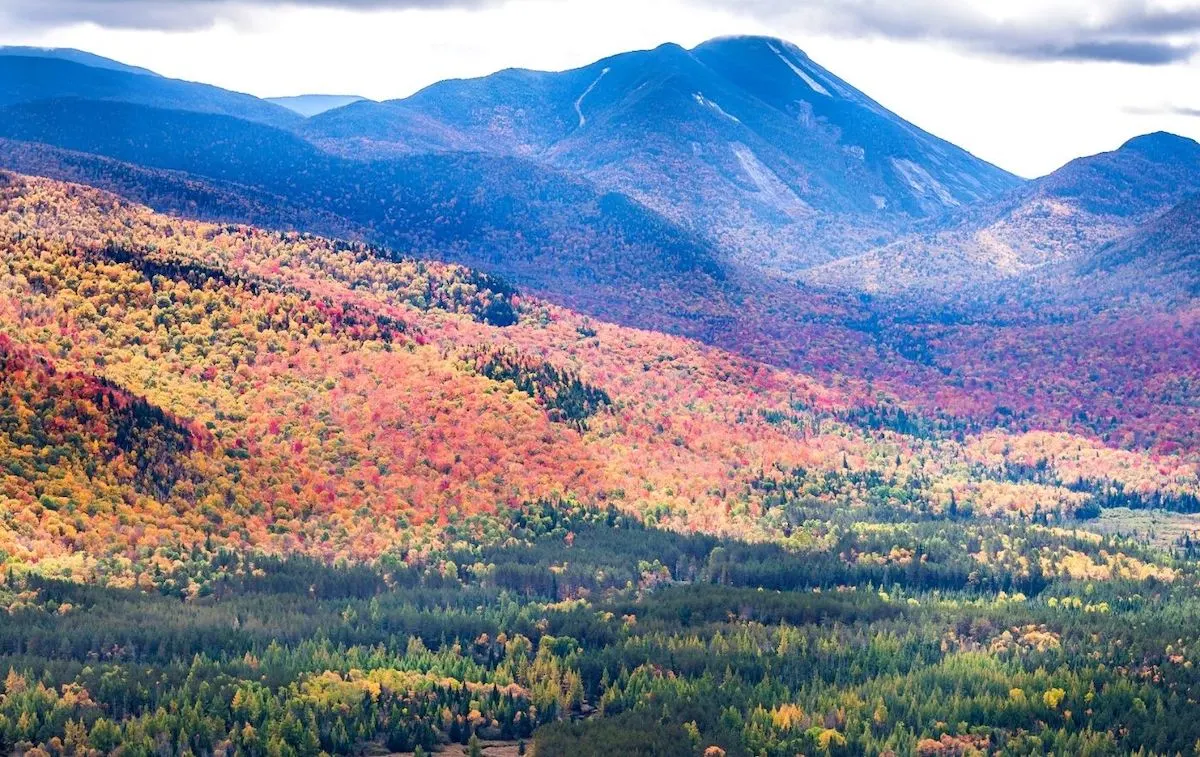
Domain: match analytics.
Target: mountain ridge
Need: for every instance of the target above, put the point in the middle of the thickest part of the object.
(75, 56)
(1056, 219)
(25, 79)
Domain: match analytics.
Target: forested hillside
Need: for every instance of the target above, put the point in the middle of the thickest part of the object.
(331, 398)
(941, 358)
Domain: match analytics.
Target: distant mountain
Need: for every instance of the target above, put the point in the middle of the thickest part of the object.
(1143, 176)
(1058, 219)
(311, 105)
(383, 130)
(74, 56)
(26, 79)
(745, 140)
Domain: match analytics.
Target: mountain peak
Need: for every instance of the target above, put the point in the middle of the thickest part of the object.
(747, 39)
(753, 44)
(1161, 145)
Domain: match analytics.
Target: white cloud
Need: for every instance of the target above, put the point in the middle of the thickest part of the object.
(1145, 32)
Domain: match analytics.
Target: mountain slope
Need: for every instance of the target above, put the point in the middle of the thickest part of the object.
(1053, 221)
(74, 56)
(174, 192)
(547, 231)
(356, 404)
(383, 130)
(1167, 247)
(167, 385)
(745, 140)
(25, 79)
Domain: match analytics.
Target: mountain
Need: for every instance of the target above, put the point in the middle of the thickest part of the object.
(745, 143)
(311, 105)
(26, 79)
(345, 384)
(1052, 221)
(745, 140)
(74, 56)
(1140, 178)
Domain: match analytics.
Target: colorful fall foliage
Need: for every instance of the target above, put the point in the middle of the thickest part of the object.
(180, 384)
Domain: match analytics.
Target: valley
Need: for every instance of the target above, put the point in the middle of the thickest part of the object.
(687, 403)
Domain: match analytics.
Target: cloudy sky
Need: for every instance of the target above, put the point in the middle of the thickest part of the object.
(1027, 84)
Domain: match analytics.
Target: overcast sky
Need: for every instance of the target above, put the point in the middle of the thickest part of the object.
(1026, 84)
